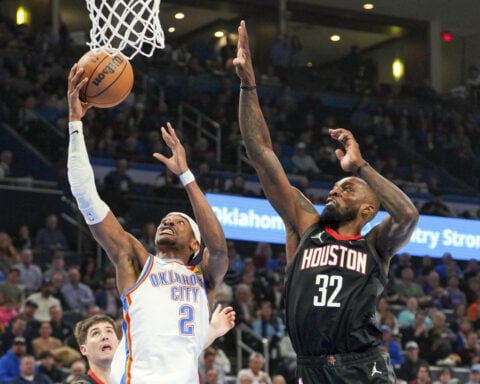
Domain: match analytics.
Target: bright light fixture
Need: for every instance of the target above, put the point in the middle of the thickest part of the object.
(179, 15)
(368, 6)
(219, 34)
(398, 69)
(22, 16)
(171, 29)
(335, 38)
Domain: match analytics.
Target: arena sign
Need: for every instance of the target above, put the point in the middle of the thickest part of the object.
(253, 219)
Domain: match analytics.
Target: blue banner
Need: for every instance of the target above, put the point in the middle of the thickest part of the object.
(253, 219)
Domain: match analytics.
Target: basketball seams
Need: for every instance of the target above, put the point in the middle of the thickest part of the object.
(114, 80)
(95, 70)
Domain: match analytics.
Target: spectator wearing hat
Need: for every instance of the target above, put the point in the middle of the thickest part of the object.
(10, 361)
(392, 346)
(44, 300)
(474, 375)
(408, 369)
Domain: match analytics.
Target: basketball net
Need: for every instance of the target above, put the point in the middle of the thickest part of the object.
(126, 26)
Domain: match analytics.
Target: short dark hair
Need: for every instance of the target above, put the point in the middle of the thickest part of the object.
(82, 327)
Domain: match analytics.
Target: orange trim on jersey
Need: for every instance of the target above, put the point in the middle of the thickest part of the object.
(337, 236)
(128, 336)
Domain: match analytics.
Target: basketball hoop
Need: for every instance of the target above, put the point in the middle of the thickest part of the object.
(126, 26)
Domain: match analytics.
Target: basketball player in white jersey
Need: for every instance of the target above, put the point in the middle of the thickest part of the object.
(165, 300)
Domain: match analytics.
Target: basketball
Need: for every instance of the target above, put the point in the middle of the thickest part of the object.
(110, 79)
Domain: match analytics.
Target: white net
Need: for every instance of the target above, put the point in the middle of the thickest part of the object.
(126, 26)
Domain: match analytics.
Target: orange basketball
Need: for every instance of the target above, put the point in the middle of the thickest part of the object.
(110, 79)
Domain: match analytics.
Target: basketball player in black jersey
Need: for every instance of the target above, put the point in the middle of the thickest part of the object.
(334, 275)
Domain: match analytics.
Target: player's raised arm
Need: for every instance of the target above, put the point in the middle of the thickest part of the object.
(125, 252)
(295, 209)
(214, 258)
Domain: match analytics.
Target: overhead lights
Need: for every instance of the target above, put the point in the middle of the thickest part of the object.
(368, 6)
(179, 16)
(171, 29)
(22, 16)
(398, 69)
(335, 38)
(219, 34)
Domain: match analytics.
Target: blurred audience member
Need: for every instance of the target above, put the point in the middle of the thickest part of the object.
(30, 273)
(45, 341)
(49, 367)
(409, 367)
(256, 363)
(44, 301)
(23, 239)
(28, 373)
(79, 296)
(51, 237)
(391, 346)
(10, 361)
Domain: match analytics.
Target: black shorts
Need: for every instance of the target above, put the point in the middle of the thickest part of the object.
(372, 366)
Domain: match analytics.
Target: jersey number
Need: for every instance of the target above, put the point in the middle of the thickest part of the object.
(327, 297)
(186, 320)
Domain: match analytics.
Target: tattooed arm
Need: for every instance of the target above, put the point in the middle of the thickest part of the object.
(295, 209)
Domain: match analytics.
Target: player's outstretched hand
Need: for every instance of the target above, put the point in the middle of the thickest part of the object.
(350, 158)
(223, 320)
(243, 61)
(77, 108)
(177, 163)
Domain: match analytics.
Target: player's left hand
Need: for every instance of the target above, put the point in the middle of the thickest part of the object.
(350, 158)
(222, 320)
(177, 163)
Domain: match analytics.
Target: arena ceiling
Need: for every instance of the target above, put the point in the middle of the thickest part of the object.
(314, 21)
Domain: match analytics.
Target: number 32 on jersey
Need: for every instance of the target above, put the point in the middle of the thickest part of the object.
(329, 287)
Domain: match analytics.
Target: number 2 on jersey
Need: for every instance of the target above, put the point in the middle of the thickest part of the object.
(327, 297)
(186, 320)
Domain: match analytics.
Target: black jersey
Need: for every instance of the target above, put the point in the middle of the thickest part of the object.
(332, 287)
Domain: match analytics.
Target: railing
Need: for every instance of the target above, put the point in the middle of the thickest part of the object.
(204, 126)
(240, 329)
(242, 159)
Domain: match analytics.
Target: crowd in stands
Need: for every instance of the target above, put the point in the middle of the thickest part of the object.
(430, 313)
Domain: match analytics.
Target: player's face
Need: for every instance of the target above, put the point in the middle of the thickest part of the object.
(343, 202)
(173, 229)
(101, 343)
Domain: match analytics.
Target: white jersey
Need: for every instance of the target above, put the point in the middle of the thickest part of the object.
(165, 326)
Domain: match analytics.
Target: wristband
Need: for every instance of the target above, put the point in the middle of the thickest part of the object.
(360, 167)
(248, 87)
(186, 177)
(75, 127)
